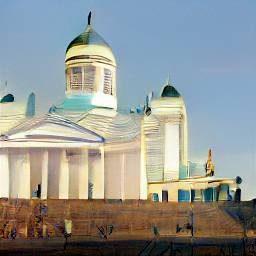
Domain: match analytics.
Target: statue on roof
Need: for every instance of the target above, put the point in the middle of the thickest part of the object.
(209, 167)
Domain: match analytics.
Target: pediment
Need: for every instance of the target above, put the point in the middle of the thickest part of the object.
(52, 128)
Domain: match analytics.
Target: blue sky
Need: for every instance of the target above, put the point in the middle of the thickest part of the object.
(208, 48)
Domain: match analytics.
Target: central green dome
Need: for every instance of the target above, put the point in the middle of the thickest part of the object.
(88, 37)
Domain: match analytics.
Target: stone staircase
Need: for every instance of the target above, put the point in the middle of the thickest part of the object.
(210, 220)
(131, 219)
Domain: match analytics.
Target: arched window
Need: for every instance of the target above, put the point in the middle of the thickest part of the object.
(80, 79)
(107, 81)
(89, 77)
(76, 78)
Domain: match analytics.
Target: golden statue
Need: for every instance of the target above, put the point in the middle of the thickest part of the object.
(209, 167)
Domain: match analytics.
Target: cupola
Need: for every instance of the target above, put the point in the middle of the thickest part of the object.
(91, 69)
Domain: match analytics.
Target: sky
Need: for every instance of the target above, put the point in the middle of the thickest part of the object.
(207, 47)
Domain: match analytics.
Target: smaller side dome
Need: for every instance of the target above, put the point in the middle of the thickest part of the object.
(169, 91)
(7, 98)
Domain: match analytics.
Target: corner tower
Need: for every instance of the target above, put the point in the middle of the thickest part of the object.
(165, 129)
(91, 69)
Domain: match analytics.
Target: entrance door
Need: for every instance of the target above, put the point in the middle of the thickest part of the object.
(164, 196)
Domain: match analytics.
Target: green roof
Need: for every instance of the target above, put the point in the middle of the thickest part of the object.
(88, 37)
(7, 98)
(169, 91)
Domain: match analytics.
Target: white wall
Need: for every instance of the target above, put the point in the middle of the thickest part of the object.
(156, 188)
(122, 174)
(132, 175)
(173, 192)
(171, 187)
(172, 151)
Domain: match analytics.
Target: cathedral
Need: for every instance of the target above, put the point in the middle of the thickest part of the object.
(87, 148)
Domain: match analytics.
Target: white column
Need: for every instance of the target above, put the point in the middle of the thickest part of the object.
(4, 173)
(63, 176)
(83, 175)
(24, 175)
(44, 186)
(122, 176)
(102, 173)
(19, 167)
(143, 171)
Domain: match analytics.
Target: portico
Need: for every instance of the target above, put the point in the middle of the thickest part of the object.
(56, 166)
(61, 173)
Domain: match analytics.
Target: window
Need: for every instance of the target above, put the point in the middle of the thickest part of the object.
(107, 82)
(183, 195)
(209, 194)
(76, 78)
(81, 79)
(89, 76)
(196, 195)
(223, 192)
(68, 77)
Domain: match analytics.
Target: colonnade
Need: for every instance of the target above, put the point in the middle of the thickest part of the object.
(61, 173)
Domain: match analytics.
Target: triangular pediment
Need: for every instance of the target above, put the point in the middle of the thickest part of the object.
(52, 128)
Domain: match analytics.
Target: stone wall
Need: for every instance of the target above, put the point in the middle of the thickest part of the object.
(127, 219)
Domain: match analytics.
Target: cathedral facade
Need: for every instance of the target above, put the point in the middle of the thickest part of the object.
(86, 148)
